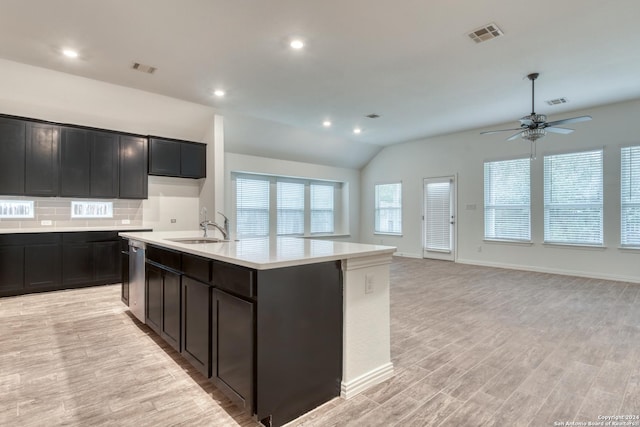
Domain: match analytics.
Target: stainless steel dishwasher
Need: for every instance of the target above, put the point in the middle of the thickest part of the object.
(137, 299)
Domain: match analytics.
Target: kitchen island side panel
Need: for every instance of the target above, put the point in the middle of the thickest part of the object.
(299, 339)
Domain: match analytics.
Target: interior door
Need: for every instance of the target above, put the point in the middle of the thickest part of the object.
(439, 218)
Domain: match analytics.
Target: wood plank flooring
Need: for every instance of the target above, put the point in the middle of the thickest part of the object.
(472, 346)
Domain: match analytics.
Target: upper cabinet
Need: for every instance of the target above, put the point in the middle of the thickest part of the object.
(89, 163)
(133, 167)
(41, 165)
(12, 154)
(183, 159)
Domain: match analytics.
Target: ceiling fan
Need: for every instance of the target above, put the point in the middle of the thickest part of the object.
(535, 126)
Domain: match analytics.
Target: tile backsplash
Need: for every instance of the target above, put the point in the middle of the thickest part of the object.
(58, 211)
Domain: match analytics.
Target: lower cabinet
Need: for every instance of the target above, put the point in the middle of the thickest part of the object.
(163, 303)
(42, 266)
(196, 324)
(232, 347)
(11, 269)
(90, 258)
(124, 271)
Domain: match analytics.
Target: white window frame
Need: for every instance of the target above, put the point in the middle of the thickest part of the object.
(376, 215)
(494, 206)
(338, 212)
(627, 200)
(549, 205)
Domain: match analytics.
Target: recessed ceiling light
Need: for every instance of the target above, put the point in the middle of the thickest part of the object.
(326, 123)
(219, 93)
(357, 130)
(70, 53)
(296, 44)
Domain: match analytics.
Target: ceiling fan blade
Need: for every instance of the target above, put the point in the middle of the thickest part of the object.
(572, 120)
(489, 132)
(563, 131)
(514, 136)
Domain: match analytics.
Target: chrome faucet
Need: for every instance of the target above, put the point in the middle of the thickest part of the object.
(204, 225)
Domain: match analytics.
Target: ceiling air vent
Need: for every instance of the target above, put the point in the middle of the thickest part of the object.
(488, 32)
(144, 68)
(557, 101)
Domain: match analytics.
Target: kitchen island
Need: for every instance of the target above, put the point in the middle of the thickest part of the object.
(281, 325)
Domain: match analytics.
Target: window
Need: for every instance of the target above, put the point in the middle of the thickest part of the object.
(573, 198)
(296, 206)
(322, 214)
(388, 209)
(290, 207)
(252, 207)
(630, 197)
(85, 209)
(507, 200)
(16, 209)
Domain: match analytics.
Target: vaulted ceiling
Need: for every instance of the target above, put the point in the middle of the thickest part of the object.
(409, 61)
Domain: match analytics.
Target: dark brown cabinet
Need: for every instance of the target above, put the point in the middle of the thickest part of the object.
(232, 347)
(133, 168)
(41, 161)
(89, 163)
(43, 263)
(182, 159)
(153, 314)
(124, 271)
(12, 156)
(90, 258)
(196, 324)
(11, 269)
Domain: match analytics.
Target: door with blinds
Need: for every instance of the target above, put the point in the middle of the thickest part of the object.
(439, 218)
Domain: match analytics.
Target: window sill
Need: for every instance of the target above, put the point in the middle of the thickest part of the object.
(575, 246)
(323, 236)
(510, 242)
(379, 233)
(629, 248)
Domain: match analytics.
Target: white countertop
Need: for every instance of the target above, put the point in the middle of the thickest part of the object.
(265, 252)
(70, 229)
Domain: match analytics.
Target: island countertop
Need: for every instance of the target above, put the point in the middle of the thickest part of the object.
(262, 253)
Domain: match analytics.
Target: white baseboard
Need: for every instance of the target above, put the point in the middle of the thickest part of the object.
(561, 271)
(363, 382)
(407, 255)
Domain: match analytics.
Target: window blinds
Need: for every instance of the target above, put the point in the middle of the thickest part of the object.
(438, 219)
(388, 208)
(322, 215)
(630, 196)
(290, 207)
(252, 207)
(507, 200)
(573, 201)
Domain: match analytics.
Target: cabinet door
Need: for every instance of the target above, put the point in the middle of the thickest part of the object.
(105, 158)
(41, 163)
(106, 256)
(232, 348)
(196, 324)
(171, 309)
(164, 157)
(43, 266)
(154, 297)
(193, 160)
(75, 163)
(12, 155)
(124, 257)
(11, 269)
(77, 263)
(133, 167)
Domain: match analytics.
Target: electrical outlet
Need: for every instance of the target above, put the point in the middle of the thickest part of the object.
(368, 283)
(173, 220)
(46, 222)
(126, 221)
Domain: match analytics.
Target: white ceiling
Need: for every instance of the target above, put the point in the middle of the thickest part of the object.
(410, 61)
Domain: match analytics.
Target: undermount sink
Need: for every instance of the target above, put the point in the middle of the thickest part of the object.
(198, 240)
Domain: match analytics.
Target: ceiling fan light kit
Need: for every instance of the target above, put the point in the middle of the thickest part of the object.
(535, 126)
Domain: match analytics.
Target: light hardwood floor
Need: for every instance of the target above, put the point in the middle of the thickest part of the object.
(472, 346)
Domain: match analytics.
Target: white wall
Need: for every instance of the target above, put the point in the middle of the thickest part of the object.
(463, 154)
(50, 95)
(262, 165)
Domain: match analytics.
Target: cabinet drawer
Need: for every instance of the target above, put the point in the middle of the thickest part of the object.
(197, 267)
(165, 257)
(239, 280)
